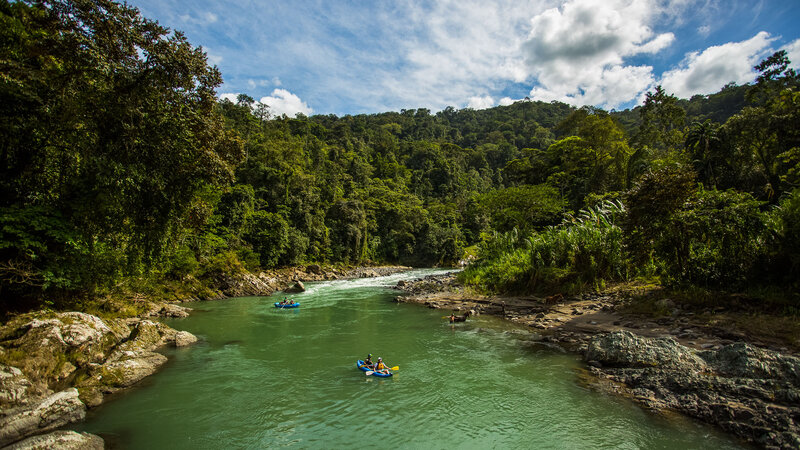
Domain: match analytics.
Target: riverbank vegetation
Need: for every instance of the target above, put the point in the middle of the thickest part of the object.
(122, 173)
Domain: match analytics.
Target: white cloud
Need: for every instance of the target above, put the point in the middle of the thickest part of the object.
(704, 30)
(577, 52)
(448, 50)
(205, 18)
(229, 96)
(793, 53)
(282, 101)
(707, 71)
(505, 101)
(480, 102)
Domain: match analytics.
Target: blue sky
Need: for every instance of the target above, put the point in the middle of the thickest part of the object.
(337, 57)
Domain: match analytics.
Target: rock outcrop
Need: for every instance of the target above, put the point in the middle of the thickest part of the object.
(47, 353)
(61, 440)
(14, 387)
(751, 392)
(184, 339)
(52, 412)
(296, 288)
(624, 349)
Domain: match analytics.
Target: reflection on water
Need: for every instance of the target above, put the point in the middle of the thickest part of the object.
(263, 377)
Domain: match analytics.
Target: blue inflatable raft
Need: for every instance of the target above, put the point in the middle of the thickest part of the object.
(287, 305)
(363, 368)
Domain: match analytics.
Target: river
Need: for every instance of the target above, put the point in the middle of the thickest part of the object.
(262, 377)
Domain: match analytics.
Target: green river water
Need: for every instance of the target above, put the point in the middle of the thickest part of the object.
(265, 378)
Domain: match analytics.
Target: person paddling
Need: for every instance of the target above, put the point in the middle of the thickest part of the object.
(368, 361)
(381, 367)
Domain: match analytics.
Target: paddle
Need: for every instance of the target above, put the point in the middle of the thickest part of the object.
(370, 372)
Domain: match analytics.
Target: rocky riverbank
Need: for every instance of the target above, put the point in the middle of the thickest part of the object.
(747, 385)
(225, 285)
(55, 365)
(58, 364)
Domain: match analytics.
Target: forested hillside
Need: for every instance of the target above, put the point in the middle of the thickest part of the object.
(121, 171)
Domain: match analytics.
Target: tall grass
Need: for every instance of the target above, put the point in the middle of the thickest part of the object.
(586, 250)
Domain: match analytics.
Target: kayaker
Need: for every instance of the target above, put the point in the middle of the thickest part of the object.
(381, 367)
(368, 361)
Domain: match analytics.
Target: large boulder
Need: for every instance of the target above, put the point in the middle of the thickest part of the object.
(296, 288)
(14, 387)
(174, 311)
(314, 268)
(49, 350)
(184, 339)
(124, 370)
(751, 392)
(54, 411)
(242, 284)
(62, 440)
(624, 349)
(742, 360)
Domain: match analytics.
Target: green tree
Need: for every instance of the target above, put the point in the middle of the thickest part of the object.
(651, 203)
(662, 121)
(268, 234)
(704, 143)
(107, 121)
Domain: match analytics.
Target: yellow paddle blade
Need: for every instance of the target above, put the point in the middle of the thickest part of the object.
(395, 368)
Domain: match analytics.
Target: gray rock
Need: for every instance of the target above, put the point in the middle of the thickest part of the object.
(750, 392)
(13, 387)
(129, 369)
(623, 348)
(742, 360)
(62, 440)
(54, 411)
(184, 339)
(175, 311)
(242, 284)
(314, 268)
(296, 288)
(145, 337)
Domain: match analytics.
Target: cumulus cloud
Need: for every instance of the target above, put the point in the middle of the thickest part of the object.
(793, 53)
(577, 52)
(505, 101)
(447, 50)
(230, 96)
(707, 71)
(282, 101)
(480, 102)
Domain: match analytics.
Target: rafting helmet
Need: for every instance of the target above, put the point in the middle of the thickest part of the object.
(380, 359)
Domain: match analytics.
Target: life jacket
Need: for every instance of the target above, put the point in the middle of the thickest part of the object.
(381, 366)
